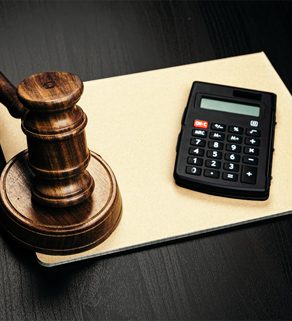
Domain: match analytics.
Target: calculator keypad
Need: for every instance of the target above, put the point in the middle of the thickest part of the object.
(227, 152)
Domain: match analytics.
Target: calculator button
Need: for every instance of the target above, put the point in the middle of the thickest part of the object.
(252, 141)
(235, 130)
(250, 160)
(198, 123)
(198, 142)
(199, 133)
(231, 167)
(232, 157)
(216, 145)
(230, 177)
(195, 161)
(234, 139)
(251, 151)
(213, 163)
(254, 123)
(214, 154)
(249, 174)
(193, 170)
(253, 132)
(233, 148)
(211, 173)
(196, 151)
(218, 127)
(217, 136)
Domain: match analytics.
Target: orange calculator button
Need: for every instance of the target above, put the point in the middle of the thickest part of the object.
(198, 123)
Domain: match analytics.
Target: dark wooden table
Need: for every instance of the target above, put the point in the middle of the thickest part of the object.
(240, 274)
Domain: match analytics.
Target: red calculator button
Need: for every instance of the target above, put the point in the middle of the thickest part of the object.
(198, 123)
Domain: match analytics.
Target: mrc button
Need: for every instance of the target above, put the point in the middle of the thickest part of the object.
(199, 133)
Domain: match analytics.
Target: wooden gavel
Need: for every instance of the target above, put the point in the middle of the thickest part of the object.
(54, 127)
(86, 208)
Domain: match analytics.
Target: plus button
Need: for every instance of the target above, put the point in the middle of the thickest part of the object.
(248, 174)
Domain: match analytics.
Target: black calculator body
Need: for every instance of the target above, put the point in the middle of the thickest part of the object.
(225, 145)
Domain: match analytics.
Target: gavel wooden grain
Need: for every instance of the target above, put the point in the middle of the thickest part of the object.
(64, 208)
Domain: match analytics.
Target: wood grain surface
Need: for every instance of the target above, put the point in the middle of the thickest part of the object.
(240, 274)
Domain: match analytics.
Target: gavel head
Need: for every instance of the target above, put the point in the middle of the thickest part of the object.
(55, 130)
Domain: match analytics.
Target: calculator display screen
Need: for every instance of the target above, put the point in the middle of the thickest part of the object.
(230, 107)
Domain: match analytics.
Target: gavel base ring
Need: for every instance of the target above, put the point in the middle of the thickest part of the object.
(59, 231)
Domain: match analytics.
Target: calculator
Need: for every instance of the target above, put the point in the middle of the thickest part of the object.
(225, 146)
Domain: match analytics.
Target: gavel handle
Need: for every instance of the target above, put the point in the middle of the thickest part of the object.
(8, 97)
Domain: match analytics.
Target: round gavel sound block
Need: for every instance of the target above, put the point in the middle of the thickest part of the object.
(63, 230)
(57, 197)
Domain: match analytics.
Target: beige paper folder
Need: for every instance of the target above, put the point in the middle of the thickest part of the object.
(133, 124)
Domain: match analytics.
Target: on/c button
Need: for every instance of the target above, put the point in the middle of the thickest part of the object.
(198, 123)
